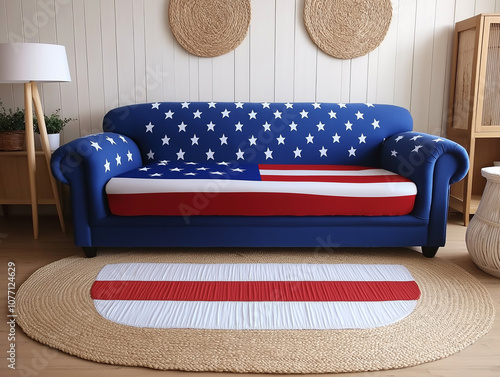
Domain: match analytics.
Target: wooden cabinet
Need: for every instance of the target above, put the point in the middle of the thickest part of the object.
(474, 107)
(14, 181)
(15, 184)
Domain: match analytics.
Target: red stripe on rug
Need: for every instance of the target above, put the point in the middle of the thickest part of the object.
(255, 290)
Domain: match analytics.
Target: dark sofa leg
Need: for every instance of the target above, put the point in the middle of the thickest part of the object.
(429, 251)
(90, 252)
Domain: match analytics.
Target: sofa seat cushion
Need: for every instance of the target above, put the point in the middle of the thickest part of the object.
(189, 188)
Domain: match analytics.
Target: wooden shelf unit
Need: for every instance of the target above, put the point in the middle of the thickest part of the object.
(474, 107)
(14, 179)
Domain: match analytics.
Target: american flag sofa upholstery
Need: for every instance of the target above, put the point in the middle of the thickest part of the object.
(121, 179)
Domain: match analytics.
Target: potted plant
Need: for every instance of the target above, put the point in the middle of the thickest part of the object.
(54, 124)
(11, 129)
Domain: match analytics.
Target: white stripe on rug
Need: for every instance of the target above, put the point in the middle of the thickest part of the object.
(255, 315)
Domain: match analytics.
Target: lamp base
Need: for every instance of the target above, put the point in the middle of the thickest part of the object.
(32, 100)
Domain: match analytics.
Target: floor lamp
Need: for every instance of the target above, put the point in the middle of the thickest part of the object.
(29, 63)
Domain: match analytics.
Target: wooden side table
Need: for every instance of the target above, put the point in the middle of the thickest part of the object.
(483, 233)
(15, 182)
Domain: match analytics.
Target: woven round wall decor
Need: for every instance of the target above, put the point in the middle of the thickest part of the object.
(347, 29)
(209, 28)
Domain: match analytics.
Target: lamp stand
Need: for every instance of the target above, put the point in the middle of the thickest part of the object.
(32, 96)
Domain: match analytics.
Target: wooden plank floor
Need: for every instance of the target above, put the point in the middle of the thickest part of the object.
(33, 359)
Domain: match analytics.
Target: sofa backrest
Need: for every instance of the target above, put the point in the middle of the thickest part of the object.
(274, 133)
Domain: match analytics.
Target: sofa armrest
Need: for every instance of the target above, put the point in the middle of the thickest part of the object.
(415, 155)
(86, 165)
(433, 163)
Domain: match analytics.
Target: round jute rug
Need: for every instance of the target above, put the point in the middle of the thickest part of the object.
(347, 29)
(209, 28)
(454, 310)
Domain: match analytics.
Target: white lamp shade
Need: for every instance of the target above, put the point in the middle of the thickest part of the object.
(25, 62)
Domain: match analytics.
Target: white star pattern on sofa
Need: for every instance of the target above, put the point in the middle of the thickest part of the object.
(269, 154)
(273, 125)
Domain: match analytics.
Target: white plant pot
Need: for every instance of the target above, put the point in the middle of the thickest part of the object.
(54, 141)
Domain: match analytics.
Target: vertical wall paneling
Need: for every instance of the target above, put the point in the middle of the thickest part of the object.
(484, 6)
(242, 70)
(180, 72)
(382, 64)
(69, 90)
(223, 76)
(359, 79)
(15, 34)
(285, 50)
(306, 54)
(51, 94)
(94, 63)
(438, 99)
(30, 26)
(422, 63)
(345, 83)
(372, 79)
(6, 95)
(262, 50)
(205, 87)
(109, 58)
(4, 29)
(464, 9)
(153, 22)
(193, 78)
(168, 47)
(81, 76)
(139, 51)
(14, 18)
(387, 52)
(405, 44)
(328, 78)
(123, 51)
(30, 21)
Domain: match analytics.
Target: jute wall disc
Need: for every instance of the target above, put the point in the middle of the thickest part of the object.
(347, 29)
(209, 28)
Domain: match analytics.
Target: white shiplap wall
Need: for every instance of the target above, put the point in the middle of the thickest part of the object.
(122, 52)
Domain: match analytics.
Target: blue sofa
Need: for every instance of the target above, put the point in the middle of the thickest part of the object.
(378, 136)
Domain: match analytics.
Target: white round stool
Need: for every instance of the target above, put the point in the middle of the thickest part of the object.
(483, 233)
